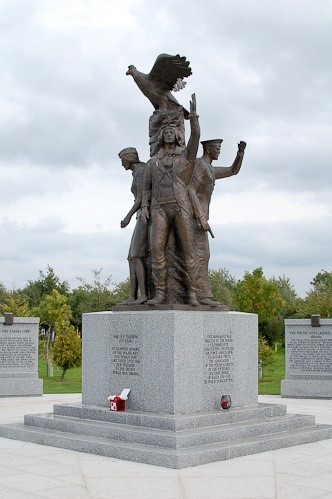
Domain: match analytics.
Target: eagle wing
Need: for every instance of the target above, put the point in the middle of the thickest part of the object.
(167, 69)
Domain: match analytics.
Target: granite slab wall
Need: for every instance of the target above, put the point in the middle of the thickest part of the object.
(19, 358)
(308, 359)
(174, 362)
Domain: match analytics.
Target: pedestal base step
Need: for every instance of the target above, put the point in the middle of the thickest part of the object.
(148, 438)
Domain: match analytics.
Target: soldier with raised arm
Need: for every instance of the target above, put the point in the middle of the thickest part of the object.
(200, 191)
(166, 202)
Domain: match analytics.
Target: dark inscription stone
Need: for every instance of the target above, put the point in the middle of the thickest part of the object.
(18, 350)
(309, 352)
(126, 355)
(218, 358)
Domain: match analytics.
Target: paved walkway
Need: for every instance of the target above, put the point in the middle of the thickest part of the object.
(32, 471)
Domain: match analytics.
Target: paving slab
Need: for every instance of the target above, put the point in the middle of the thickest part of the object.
(30, 471)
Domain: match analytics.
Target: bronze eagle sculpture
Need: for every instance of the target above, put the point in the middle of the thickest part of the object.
(166, 75)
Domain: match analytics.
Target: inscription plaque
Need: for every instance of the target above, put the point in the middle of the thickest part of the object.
(309, 352)
(18, 350)
(218, 358)
(126, 354)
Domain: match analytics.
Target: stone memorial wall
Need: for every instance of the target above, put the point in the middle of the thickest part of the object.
(308, 359)
(19, 357)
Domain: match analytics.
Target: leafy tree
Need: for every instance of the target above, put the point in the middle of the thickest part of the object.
(319, 299)
(91, 297)
(67, 352)
(78, 301)
(16, 304)
(53, 310)
(322, 281)
(316, 302)
(255, 294)
(289, 295)
(3, 293)
(35, 291)
(265, 352)
(274, 329)
(121, 291)
(222, 286)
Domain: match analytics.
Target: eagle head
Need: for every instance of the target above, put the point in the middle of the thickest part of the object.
(131, 70)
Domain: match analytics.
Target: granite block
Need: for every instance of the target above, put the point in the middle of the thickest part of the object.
(174, 362)
(169, 438)
(95, 359)
(21, 387)
(19, 357)
(172, 458)
(171, 422)
(308, 350)
(306, 388)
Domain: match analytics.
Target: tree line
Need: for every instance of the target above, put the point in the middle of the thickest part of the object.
(60, 308)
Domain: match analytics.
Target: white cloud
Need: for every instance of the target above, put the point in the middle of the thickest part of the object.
(260, 74)
(263, 204)
(91, 14)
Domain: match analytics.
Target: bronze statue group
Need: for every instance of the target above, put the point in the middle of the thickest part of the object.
(169, 251)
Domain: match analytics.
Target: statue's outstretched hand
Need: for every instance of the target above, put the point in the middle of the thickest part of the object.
(193, 105)
(241, 145)
(125, 222)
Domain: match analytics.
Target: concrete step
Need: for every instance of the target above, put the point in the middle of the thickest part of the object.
(261, 443)
(169, 421)
(167, 438)
(172, 458)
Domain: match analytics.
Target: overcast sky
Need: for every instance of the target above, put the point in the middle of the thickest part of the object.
(262, 73)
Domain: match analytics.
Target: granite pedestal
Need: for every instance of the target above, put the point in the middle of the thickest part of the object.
(177, 365)
(19, 358)
(174, 362)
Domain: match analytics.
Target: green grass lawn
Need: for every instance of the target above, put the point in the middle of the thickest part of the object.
(273, 373)
(71, 384)
(269, 385)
